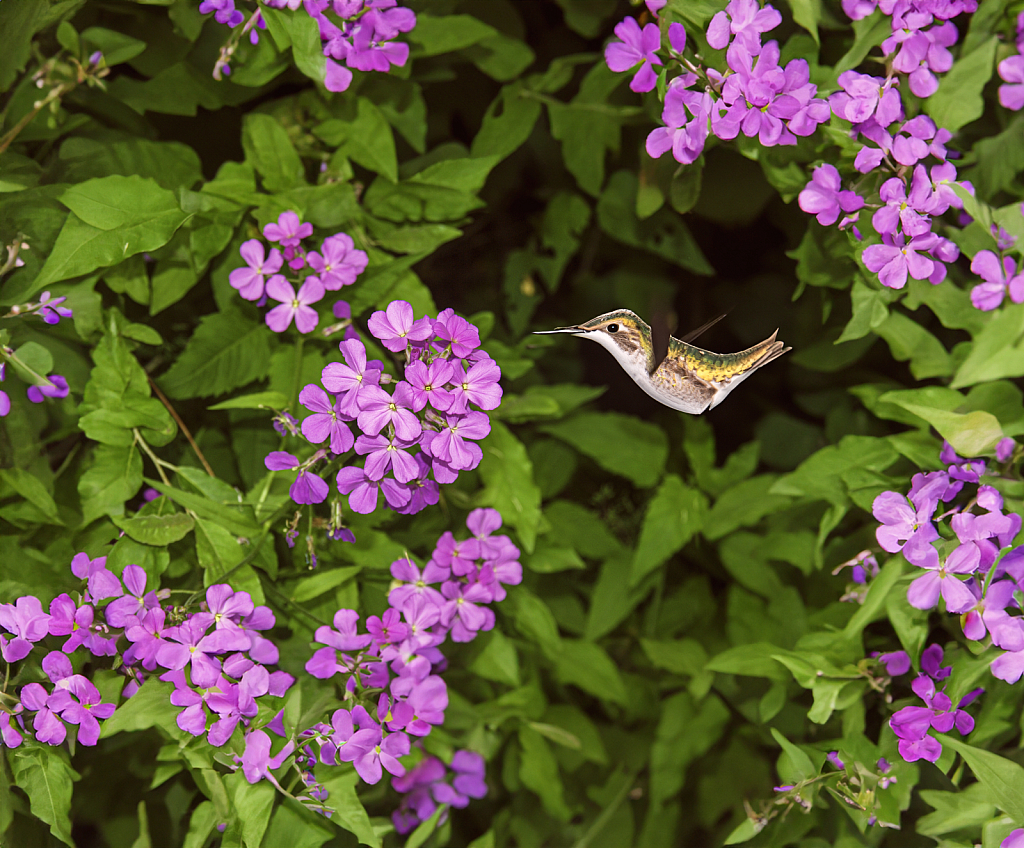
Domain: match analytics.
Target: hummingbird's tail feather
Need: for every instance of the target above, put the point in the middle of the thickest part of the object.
(693, 335)
(761, 354)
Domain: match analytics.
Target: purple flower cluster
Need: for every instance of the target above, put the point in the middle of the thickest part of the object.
(912, 724)
(969, 563)
(215, 655)
(57, 389)
(1001, 275)
(359, 33)
(421, 433)
(394, 667)
(336, 264)
(755, 96)
(427, 785)
(1011, 72)
(49, 309)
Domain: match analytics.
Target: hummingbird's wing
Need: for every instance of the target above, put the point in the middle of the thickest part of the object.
(693, 335)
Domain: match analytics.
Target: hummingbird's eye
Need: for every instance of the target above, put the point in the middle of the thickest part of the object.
(613, 328)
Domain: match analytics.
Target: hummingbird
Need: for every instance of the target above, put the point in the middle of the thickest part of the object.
(689, 379)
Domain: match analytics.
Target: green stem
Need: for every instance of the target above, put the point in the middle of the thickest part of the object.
(296, 388)
(599, 823)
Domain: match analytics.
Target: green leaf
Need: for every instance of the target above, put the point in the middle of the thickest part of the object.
(674, 515)
(509, 487)
(371, 142)
(970, 434)
(622, 444)
(81, 247)
(959, 98)
(538, 770)
(44, 775)
(498, 660)
(31, 489)
(613, 598)
(226, 351)
(1003, 778)
(19, 22)
(807, 13)
(799, 763)
(434, 35)
(349, 812)
(158, 530)
(908, 340)
(149, 707)
(998, 159)
(115, 202)
(876, 599)
(587, 665)
(170, 163)
(663, 234)
(547, 560)
(253, 802)
(315, 585)
(425, 829)
(257, 400)
(998, 350)
(219, 553)
(969, 808)
(753, 660)
(870, 309)
(680, 656)
(270, 150)
(535, 621)
(114, 476)
(115, 46)
(231, 518)
(502, 134)
(743, 505)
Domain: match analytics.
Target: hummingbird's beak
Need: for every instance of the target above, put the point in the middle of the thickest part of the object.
(571, 330)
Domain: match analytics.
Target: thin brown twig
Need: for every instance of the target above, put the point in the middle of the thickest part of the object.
(184, 429)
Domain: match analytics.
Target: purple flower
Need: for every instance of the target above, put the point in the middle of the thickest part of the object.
(461, 611)
(896, 663)
(925, 590)
(1000, 277)
(637, 47)
(413, 583)
(825, 198)
(293, 305)
(77, 701)
(379, 409)
(865, 97)
(308, 488)
(101, 583)
(900, 522)
(384, 454)
(387, 628)
(478, 385)
(684, 135)
(224, 11)
(371, 53)
(894, 262)
(1014, 840)
(362, 490)
(370, 752)
(427, 384)
(744, 19)
(422, 704)
(352, 379)
(337, 77)
(77, 622)
(51, 311)
(469, 771)
(1011, 71)
(338, 263)
(910, 213)
(396, 327)
(423, 491)
(188, 644)
(288, 231)
(124, 610)
(256, 761)
(47, 726)
(324, 423)
(250, 280)
(58, 389)
(451, 445)
(1005, 448)
(27, 622)
(456, 334)
(146, 636)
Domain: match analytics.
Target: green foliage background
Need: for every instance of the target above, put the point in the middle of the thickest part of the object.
(678, 646)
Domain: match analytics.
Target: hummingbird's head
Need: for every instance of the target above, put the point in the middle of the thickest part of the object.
(622, 332)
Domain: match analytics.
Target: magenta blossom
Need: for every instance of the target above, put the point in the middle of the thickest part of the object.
(297, 306)
(250, 280)
(396, 327)
(338, 263)
(288, 230)
(825, 198)
(1011, 71)
(744, 19)
(637, 47)
(27, 622)
(1001, 277)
